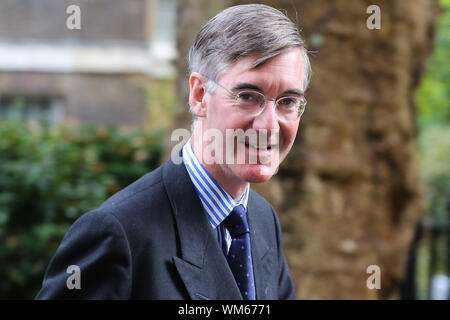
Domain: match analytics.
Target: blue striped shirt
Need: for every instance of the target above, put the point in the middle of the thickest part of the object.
(216, 201)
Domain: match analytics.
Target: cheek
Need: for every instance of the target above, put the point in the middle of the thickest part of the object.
(288, 134)
(219, 114)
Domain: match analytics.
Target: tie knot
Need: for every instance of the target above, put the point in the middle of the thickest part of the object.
(236, 222)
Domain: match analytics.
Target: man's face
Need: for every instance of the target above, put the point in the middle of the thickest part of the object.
(275, 78)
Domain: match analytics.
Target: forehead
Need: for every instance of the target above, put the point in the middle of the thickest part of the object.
(285, 67)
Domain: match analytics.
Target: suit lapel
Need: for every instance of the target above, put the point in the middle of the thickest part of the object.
(260, 249)
(202, 267)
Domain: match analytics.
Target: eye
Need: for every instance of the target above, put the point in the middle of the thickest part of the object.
(250, 99)
(248, 96)
(288, 102)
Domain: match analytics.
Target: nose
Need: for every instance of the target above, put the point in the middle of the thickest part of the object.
(267, 119)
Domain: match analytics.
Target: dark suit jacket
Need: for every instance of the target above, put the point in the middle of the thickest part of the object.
(152, 240)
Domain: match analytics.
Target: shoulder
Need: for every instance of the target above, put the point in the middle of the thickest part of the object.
(134, 209)
(147, 186)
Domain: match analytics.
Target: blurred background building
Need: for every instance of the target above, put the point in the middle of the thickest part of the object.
(97, 74)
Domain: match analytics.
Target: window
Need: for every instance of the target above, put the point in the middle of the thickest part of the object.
(31, 108)
(164, 34)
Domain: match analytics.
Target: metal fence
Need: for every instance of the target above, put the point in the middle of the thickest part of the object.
(428, 266)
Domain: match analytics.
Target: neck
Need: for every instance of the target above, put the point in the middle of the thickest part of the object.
(233, 185)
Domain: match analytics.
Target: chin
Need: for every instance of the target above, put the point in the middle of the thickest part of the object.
(256, 173)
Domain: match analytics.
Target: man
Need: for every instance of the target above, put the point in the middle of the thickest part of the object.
(195, 230)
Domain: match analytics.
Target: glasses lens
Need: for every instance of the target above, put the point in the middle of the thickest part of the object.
(302, 105)
(290, 108)
(250, 99)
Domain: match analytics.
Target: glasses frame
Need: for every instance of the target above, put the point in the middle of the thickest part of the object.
(265, 99)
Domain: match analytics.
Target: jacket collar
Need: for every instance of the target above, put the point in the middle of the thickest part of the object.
(203, 267)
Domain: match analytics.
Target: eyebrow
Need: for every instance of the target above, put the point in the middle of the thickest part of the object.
(246, 85)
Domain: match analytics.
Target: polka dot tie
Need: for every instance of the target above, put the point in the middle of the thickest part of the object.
(239, 256)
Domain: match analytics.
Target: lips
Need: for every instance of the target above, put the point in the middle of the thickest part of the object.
(261, 141)
(258, 147)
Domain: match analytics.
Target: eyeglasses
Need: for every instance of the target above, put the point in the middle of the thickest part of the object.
(288, 108)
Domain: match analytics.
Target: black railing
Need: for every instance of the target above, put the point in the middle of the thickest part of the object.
(433, 236)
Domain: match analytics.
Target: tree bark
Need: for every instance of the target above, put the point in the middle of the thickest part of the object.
(349, 194)
(192, 15)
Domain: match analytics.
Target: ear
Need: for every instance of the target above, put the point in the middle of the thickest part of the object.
(197, 93)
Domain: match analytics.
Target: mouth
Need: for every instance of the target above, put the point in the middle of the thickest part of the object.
(259, 147)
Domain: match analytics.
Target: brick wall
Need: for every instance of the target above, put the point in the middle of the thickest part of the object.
(86, 98)
(100, 19)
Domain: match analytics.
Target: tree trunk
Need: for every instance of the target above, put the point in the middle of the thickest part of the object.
(192, 15)
(348, 195)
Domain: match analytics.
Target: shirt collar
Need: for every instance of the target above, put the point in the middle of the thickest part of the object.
(216, 201)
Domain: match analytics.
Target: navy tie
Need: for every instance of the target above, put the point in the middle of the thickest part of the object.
(239, 257)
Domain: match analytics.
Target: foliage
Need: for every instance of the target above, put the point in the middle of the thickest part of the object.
(433, 102)
(435, 150)
(51, 175)
(433, 95)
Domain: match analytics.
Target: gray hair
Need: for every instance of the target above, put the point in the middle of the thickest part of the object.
(240, 31)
